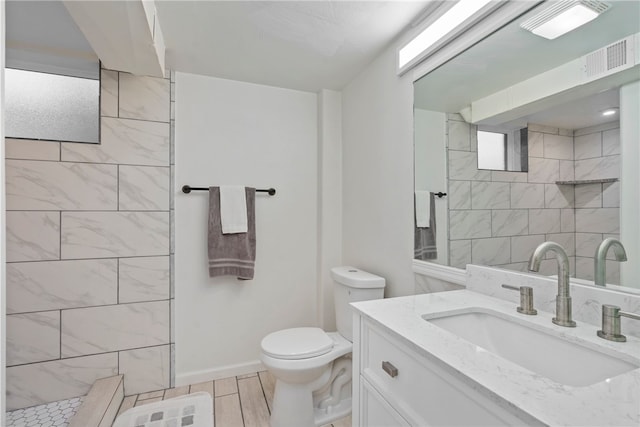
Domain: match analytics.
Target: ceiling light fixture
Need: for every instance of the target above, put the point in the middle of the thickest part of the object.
(454, 17)
(610, 112)
(564, 16)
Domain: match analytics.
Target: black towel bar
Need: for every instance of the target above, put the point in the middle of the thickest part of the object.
(188, 189)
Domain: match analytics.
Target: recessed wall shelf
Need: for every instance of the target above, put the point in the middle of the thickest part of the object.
(587, 181)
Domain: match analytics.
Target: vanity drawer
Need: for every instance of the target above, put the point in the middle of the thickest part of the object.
(376, 412)
(419, 389)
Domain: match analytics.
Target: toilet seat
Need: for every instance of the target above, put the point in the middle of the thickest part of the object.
(297, 343)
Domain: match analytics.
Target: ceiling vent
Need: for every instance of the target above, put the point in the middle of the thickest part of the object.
(610, 59)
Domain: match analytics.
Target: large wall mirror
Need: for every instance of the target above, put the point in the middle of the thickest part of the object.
(569, 182)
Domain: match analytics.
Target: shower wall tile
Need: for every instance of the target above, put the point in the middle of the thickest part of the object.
(29, 149)
(588, 196)
(544, 221)
(113, 234)
(51, 285)
(523, 246)
(145, 369)
(535, 144)
(566, 240)
(588, 146)
(109, 93)
(534, 127)
(558, 147)
(509, 222)
(463, 165)
(493, 251)
(598, 168)
(567, 220)
(144, 98)
(116, 327)
(586, 244)
(490, 195)
(133, 142)
(459, 195)
(143, 279)
(469, 224)
(611, 142)
(32, 236)
(558, 196)
(459, 136)
(103, 209)
(611, 195)
(527, 196)
(143, 188)
(459, 253)
(605, 220)
(567, 170)
(504, 176)
(33, 337)
(38, 185)
(544, 170)
(37, 383)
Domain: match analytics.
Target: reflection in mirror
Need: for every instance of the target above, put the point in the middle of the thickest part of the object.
(573, 189)
(502, 150)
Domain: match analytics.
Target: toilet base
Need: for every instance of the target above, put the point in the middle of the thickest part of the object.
(327, 416)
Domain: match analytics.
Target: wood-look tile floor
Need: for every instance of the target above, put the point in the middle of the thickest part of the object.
(242, 401)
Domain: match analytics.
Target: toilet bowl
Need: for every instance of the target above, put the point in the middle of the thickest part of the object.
(313, 367)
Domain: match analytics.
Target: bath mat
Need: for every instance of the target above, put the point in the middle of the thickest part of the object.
(193, 410)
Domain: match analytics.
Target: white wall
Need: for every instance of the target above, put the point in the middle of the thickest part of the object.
(378, 174)
(230, 132)
(430, 154)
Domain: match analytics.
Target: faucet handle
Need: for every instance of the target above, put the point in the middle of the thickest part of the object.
(611, 329)
(526, 299)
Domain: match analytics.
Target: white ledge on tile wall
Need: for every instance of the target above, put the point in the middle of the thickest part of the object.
(441, 272)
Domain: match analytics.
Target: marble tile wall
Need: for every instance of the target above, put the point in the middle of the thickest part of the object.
(597, 206)
(498, 218)
(89, 251)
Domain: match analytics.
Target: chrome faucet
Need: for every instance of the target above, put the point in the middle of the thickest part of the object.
(563, 299)
(600, 265)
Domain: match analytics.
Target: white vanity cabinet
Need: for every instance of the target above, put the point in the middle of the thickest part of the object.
(414, 390)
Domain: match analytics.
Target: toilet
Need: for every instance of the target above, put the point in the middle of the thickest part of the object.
(313, 367)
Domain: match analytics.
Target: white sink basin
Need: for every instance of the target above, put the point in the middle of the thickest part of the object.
(540, 352)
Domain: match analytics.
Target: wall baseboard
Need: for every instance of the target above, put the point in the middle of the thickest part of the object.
(218, 373)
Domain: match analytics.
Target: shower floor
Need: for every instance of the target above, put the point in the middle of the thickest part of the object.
(54, 414)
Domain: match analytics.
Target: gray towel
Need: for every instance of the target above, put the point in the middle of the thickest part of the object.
(231, 254)
(425, 238)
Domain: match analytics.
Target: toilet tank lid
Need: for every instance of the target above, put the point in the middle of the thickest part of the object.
(356, 278)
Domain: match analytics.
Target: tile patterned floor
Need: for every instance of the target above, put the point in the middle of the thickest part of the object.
(242, 401)
(54, 414)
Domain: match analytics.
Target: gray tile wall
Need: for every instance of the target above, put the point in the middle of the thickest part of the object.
(498, 218)
(89, 251)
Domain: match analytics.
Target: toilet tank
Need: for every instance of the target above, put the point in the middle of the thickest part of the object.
(352, 285)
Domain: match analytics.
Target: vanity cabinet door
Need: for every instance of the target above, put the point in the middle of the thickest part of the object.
(376, 412)
(422, 390)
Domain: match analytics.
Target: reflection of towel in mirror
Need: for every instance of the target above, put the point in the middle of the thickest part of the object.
(425, 238)
(231, 254)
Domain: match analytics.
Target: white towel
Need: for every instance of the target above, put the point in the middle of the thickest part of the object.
(233, 209)
(423, 209)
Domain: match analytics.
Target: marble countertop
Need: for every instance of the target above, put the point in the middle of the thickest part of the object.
(615, 401)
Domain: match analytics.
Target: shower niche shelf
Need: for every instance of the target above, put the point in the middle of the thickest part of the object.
(587, 181)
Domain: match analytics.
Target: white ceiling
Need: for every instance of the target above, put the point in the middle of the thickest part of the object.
(305, 45)
(512, 55)
(41, 36)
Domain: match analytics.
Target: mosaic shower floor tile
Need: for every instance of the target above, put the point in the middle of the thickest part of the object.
(54, 414)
